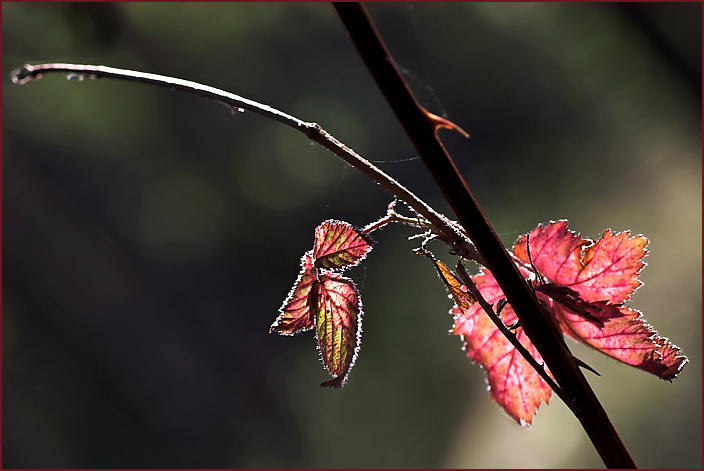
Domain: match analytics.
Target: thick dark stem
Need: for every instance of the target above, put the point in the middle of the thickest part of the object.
(421, 128)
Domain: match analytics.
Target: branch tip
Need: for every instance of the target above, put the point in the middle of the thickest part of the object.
(24, 74)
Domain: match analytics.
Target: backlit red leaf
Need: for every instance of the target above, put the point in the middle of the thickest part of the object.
(595, 312)
(339, 245)
(295, 314)
(513, 383)
(324, 299)
(603, 271)
(603, 274)
(627, 338)
(338, 314)
(583, 284)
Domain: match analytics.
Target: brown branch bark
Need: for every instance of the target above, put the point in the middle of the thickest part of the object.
(447, 231)
(421, 128)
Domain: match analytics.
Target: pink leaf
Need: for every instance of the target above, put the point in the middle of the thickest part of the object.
(603, 275)
(595, 312)
(602, 271)
(513, 383)
(323, 299)
(586, 285)
(627, 338)
(295, 314)
(339, 245)
(338, 313)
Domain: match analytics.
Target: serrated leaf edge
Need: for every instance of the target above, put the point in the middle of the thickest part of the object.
(358, 231)
(340, 380)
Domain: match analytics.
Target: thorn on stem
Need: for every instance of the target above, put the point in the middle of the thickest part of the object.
(444, 123)
(581, 364)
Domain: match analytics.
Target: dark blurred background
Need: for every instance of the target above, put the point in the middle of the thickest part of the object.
(151, 236)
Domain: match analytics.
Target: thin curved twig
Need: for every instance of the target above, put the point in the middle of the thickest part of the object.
(448, 231)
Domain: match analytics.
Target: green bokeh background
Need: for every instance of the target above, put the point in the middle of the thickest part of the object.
(150, 236)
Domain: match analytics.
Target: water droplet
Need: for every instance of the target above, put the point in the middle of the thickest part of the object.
(78, 77)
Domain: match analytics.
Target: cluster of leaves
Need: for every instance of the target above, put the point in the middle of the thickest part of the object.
(581, 284)
(324, 299)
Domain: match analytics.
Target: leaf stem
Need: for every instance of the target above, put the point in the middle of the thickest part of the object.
(392, 216)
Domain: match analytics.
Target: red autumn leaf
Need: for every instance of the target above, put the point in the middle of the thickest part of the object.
(339, 245)
(604, 275)
(295, 314)
(586, 285)
(338, 313)
(513, 383)
(605, 271)
(595, 312)
(626, 338)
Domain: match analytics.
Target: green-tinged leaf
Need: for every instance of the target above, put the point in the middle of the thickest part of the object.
(324, 299)
(338, 313)
(339, 245)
